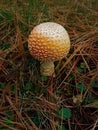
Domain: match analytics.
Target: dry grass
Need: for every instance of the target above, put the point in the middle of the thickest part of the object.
(29, 101)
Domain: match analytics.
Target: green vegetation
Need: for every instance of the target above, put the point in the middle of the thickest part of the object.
(29, 101)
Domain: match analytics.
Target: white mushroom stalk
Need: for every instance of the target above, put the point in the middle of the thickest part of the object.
(48, 42)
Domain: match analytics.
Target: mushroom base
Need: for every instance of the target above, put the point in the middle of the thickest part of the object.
(47, 68)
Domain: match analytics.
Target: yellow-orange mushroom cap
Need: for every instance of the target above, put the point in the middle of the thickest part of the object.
(48, 42)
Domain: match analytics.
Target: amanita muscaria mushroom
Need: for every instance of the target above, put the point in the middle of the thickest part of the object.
(48, 42)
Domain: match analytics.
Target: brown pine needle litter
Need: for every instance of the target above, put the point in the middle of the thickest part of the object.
(29, 101)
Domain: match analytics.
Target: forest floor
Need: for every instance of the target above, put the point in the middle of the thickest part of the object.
(29, 101)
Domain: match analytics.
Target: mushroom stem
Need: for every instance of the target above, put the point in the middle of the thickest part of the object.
(47, 68)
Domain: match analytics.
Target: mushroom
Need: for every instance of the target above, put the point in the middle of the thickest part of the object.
(48, 42)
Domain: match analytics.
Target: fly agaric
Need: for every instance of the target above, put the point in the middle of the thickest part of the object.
(48, 42)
